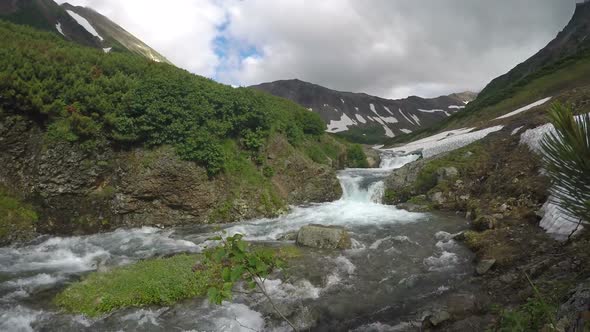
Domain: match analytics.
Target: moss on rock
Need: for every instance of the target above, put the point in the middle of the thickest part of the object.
(161, 281)
(17, 219)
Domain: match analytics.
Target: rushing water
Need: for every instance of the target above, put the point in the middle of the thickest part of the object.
(401, 265)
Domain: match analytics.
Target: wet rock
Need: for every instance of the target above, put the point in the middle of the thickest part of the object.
(459, 236)
(324, 237)
(445, 173)
(483, 223)
(413, 207)
(484, 266)
(574, 312)
(290, 236)
(439, 318)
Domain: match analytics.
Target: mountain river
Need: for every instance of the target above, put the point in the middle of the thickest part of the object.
(401, 266)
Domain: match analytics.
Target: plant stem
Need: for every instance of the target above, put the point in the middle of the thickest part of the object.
(540, 298)
(263, 289)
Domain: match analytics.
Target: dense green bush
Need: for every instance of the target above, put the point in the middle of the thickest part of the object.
(84, 95)
(356, 157)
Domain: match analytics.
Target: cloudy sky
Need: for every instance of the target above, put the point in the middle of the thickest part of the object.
(389, 48)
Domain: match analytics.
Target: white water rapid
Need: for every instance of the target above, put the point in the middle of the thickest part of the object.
(401, 264)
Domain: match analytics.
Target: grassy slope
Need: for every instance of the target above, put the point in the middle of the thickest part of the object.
(553, 81)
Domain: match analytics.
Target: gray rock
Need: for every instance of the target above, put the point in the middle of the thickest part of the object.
(290, 236)
(484, 222)
(445, 173)
(324, 237)
(439, 318)
(484, 266)
(437, 198)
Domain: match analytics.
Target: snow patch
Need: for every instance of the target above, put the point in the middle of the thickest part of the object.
(407, 119)
(84, 23)
(107, 49)
(360, 118)
(389, 119)
(445, 141)
(388, 131)
(434, 111)
(516, 130)
(342, 100)
(416, 118)
(525, 108)
(405, 131)
(557, 221)
(456, 107)
(388, 110)
(58, 27)
(336, 126)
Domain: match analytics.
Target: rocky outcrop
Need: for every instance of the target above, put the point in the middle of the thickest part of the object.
(79, 190)
(324, 237)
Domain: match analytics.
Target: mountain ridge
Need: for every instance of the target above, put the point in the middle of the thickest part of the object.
(82, 25)
(365, 118)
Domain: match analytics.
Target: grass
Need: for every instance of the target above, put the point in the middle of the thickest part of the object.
(161, 281)
(531, 316)
(15, 217)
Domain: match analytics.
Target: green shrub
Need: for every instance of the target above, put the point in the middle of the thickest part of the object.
(355, 157)
(83, 95)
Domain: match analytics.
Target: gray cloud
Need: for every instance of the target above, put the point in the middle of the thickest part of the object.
(388, 48)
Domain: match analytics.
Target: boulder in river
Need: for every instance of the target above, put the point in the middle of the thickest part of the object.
(324, 237)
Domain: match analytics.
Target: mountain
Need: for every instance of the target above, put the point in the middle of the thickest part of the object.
(365, 118)
(558, 72)
(113, 34)
(81, 25)
(47, 15)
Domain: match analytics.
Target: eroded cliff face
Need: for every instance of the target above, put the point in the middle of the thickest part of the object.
(76, 191)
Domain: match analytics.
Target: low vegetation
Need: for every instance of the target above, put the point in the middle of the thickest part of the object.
(17, 219)
(161, 281)
(165, 281)
(83, 95)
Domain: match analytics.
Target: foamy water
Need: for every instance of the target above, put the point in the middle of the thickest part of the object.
(398, 262)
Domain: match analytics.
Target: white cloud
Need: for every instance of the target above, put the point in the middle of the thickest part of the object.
(181, 30)
(381, 47)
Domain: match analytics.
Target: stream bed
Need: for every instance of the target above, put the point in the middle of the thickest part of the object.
(400, 267)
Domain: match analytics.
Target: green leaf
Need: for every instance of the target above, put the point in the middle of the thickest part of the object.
(219, 255)
(213, 295)
(236, 273)
(226, 274)
(242, 246)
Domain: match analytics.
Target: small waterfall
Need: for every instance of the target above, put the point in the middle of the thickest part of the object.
(392, 161)
(367, 185)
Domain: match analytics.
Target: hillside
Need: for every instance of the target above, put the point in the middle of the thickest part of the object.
(116, 139)
(364, 118)
(78, 24)
(114, 35)
(558, 72)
